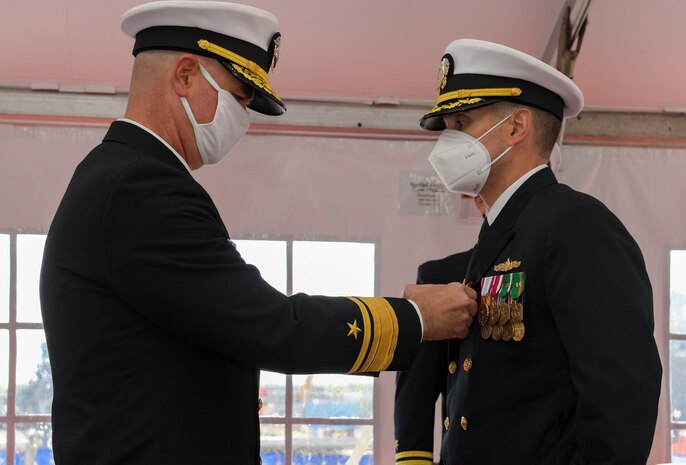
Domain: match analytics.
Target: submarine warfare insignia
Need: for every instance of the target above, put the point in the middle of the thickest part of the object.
(507, 265)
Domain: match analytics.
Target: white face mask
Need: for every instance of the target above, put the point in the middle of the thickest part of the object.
(230, 123)
(462, 162)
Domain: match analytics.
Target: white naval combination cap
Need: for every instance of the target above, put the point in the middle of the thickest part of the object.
(242, 38)
(474, 73)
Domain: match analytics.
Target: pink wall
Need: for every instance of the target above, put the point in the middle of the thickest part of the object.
(362, 49)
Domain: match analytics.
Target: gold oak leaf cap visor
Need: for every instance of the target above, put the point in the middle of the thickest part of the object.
(474, 73)
(242, 38)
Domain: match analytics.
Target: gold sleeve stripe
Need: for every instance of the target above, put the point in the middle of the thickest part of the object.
(376, 317)
(390, 352)
(415, 462)
(414, 453)
(385, 334)
(381, 333)
(366, 336)
(469, 93)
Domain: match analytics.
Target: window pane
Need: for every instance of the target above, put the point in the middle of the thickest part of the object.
(677, 292)
(34, 377)
(333, 268)
(4, 372)
(333, 396)
(269, 257)
(273, 394)
(678, 446)
(3, 444)
(273, 444)
(33, 444)
(4, 278)
(333, 444)
(29, 257)
(677, 380)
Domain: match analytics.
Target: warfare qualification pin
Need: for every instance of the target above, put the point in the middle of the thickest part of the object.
(443, 74)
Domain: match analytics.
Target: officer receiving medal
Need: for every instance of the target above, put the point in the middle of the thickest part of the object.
(546, 378)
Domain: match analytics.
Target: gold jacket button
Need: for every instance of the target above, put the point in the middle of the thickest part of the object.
(464, 423)
(452, 368)
(467, 365)
(259, 404)
(446, 422)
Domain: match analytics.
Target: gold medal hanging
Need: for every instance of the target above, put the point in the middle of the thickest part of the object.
(503, 308)
(484, 307)
(517, 313)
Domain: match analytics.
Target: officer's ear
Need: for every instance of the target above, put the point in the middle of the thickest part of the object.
(185, 71)
(521, 125)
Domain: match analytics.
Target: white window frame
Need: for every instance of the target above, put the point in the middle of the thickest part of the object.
(10, 420)
(673, 426)
(12, 326)
(288, 421)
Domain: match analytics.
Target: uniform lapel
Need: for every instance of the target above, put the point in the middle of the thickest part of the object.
(493, 239)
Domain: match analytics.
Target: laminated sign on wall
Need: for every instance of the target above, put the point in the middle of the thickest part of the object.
(422, 193)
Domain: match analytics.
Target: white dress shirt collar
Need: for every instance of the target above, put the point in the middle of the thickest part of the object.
(181, 159)
(500, 203)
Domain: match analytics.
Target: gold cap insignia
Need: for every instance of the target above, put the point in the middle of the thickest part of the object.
(507, 265)
(443, 69)
(275, 55)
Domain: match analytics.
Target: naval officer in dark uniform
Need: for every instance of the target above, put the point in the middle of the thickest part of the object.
(418, 388)
(156, 327)
(561, 366)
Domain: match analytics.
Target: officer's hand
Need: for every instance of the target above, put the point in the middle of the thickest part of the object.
(447, 309)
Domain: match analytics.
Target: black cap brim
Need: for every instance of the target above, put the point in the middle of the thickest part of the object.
(265, 101)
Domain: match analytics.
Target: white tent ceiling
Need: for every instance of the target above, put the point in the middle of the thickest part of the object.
(631, 56)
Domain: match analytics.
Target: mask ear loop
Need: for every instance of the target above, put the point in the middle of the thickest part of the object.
(494, 127)
(209, 78)
(481, 170)
(187, 106)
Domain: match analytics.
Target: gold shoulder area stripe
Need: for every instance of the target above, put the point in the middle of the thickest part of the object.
(414, 453)
(378, 347)
(469, 93)
(414, 462)
(234, 57)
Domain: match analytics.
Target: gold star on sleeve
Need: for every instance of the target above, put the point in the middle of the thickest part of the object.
(354, 329)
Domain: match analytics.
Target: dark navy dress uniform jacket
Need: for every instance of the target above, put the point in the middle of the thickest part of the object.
(582, 385)
(157, 329)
